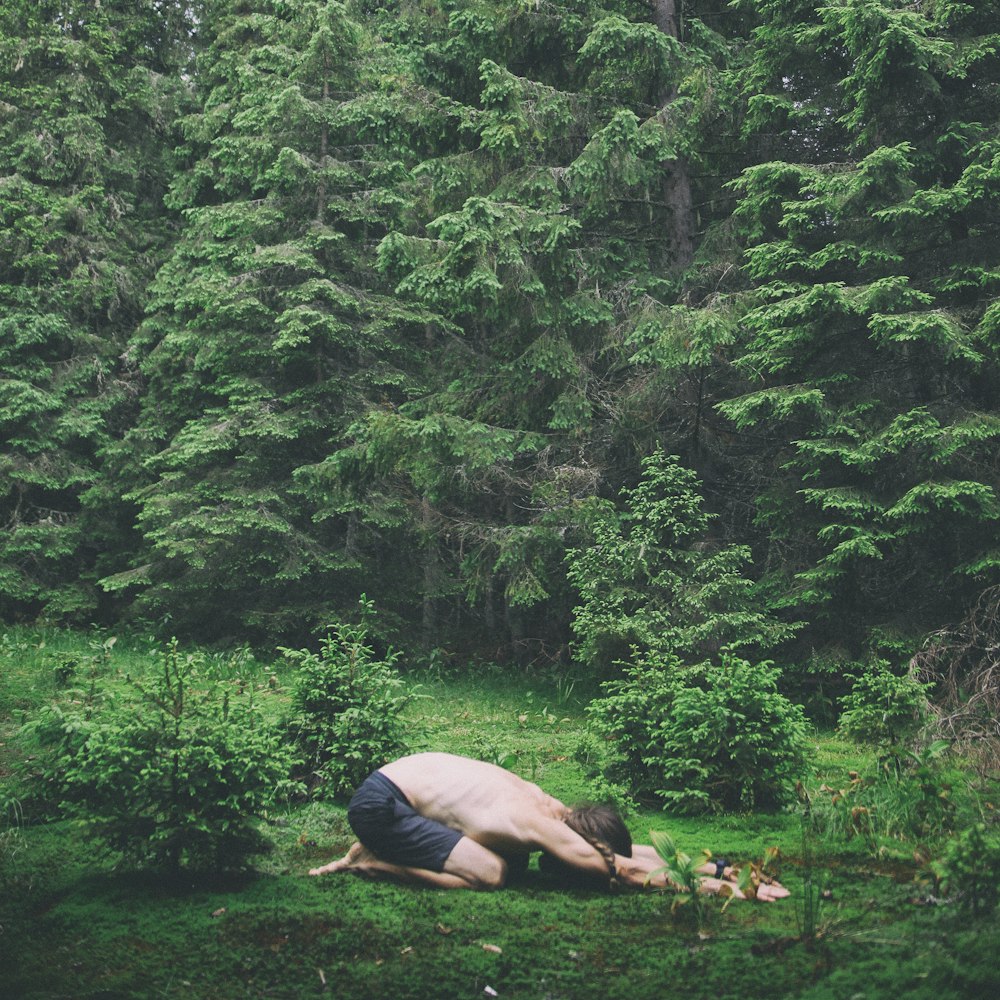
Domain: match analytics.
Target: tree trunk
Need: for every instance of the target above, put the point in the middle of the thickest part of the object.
(324, 139)
(665, 17)
(677, 186)
(428, 617)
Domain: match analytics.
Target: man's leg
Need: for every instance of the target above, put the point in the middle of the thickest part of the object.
(477, 866)
(469, 866)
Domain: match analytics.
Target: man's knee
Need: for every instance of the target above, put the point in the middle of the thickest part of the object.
(492, 875)
(477, 866)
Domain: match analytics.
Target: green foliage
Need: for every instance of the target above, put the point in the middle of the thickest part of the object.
(872, 281)
(618, 48)
(174, 776)
(884, 708)
(67, 910)
(296, 298)
(682, 875)
(600, 759)
(968, 870)
(915, 798)
(703, 738)
(347, 706)
(87, 93)
(534, 233)
(267, 332)
(651, 586)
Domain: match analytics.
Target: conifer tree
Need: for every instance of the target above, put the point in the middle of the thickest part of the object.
(535, 239)
(264, 333)
(653, 589)
(267, 330)
(871, 329)
(86, 97)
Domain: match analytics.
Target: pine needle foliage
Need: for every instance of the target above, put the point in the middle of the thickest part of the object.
(868, 345)
(299, 301)
(86, 97)
(651, 585)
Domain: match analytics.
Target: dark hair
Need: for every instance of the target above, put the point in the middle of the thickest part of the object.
(604, 829)
(603, 824)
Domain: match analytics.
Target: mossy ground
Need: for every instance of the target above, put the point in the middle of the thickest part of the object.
(74, 925)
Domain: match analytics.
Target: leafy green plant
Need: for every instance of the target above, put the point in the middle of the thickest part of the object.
(494, 752)
(968, 870)
(711, 737)
(102, 648)
(681, 873)
(347, 706)
(546, 718)
(436, 665)
(175, 774)
(64, 669)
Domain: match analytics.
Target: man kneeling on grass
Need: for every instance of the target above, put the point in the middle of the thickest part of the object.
(456, 823)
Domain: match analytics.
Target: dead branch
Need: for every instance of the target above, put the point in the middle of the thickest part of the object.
(963, 664)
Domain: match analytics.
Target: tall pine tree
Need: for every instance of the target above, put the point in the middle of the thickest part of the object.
(871, 328)
(267, 332)
(87, 95)
(562, 209)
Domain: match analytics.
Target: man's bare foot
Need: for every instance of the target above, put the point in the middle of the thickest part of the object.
(355, 855)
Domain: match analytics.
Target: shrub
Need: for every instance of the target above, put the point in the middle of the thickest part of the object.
(347, 707)
(968, 870)
(711, 737)
(883, 708)
(175, 776)
(600, 759)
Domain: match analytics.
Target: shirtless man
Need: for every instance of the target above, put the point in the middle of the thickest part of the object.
(455, 823)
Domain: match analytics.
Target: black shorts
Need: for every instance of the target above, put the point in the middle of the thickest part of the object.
(384, 821)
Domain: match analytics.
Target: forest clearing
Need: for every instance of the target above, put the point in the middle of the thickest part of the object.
(865, 918)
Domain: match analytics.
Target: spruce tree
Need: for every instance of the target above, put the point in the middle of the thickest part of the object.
(557, 215)
(654, 589)
(87, 95)
(870, 330)
(267, 330)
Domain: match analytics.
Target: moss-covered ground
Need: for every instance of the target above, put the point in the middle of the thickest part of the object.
(74, 924)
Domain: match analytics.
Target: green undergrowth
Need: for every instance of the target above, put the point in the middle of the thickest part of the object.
(75, 924)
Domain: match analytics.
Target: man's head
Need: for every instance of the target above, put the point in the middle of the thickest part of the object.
(601, 824)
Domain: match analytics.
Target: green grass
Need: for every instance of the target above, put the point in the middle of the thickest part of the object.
(74, 925)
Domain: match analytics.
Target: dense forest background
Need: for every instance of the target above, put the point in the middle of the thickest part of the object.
(303, 300)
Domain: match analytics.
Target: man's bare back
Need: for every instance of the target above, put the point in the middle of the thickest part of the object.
(488, 804)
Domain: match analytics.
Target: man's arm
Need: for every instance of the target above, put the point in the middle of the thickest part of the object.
(637, 869)
(554, 837)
